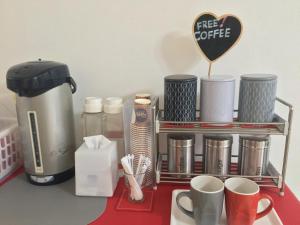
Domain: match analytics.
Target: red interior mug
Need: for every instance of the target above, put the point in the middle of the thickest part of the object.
(241, 199)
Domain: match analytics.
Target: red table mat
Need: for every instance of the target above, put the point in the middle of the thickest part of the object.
(287, 207)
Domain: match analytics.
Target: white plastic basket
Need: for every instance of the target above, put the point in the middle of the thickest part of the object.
(10, 149)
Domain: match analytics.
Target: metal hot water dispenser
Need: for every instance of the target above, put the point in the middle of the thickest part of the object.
(45, 116)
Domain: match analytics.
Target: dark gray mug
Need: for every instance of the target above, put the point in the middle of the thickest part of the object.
(206, 194)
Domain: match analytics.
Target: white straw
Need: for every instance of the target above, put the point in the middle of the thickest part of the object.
(139, 168)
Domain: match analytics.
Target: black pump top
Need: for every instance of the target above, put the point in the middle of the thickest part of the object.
(34, 78)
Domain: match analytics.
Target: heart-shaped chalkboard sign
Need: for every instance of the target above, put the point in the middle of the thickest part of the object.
(214, 35)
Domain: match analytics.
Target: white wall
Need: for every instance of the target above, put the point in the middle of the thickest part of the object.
(121, 47)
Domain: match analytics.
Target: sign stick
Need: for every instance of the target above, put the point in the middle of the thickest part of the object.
(209, 69)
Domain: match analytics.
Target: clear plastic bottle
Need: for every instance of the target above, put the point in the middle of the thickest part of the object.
(92, 117)
(113, 123)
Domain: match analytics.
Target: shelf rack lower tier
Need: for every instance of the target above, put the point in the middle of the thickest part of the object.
(272, 180)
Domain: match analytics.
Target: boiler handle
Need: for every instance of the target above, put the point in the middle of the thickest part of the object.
(72, 83)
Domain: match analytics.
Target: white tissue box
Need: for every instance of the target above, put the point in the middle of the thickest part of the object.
(96, 170)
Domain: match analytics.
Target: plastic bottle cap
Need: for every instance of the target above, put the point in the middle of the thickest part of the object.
(142, 95)
(142, 101)
(93, 105)
(113, 105)
(113, 101)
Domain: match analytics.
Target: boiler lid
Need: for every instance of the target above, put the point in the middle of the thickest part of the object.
(36, 77)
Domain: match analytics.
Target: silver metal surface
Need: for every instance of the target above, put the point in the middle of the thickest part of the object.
(187, 182)
(181, 142)
(253, 155)
(284, 102)
(154, 107)
(273, 172)
(217, 154)
(278, 126)
(181, 153)
(54, 117)
(255, 143)
(218, 143)
(272, 179)
(287, 145)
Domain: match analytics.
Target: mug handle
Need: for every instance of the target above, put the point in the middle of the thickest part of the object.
(266, 210)
(185, 211)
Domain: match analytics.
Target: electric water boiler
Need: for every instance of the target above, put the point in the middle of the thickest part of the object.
(45, 116)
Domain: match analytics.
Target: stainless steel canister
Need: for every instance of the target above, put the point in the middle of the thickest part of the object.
(217, 154)
(253, 155)
(181, 153)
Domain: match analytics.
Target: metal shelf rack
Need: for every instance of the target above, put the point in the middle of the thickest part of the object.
(278, 126)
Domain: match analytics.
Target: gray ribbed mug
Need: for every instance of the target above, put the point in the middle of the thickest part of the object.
(207, 195)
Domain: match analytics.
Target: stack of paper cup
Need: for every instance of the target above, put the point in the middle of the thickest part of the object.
(141, 135)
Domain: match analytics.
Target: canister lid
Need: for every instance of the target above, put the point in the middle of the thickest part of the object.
(143, 95)
(218, 141)
(257, 142)
(180, 78)
(181, 140)
(142, 101)
(34, 78)
(259, 77)
(218, 78)
(255, 137)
